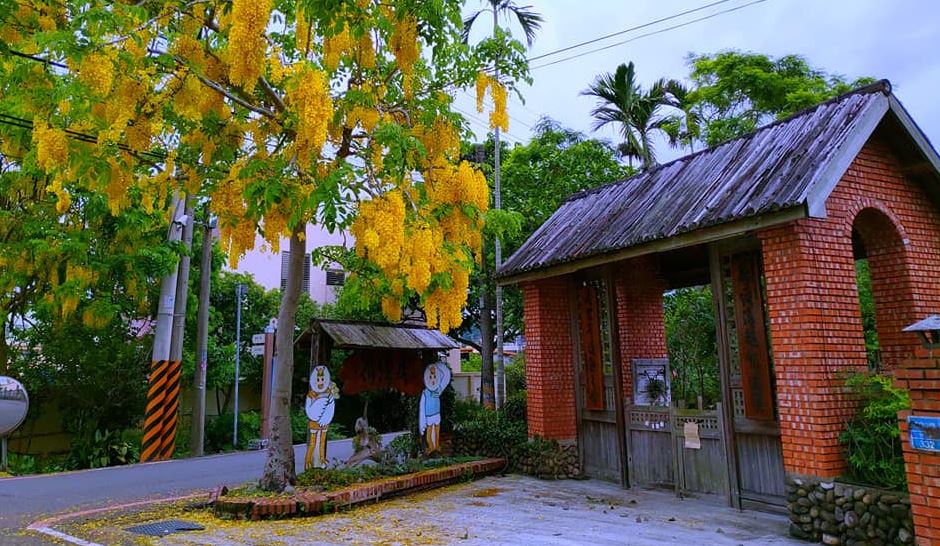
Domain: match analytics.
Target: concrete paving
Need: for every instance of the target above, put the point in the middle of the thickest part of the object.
(512, 510)
(25, 499)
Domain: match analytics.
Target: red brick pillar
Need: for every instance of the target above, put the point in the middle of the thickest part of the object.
(549, 359)
(638, 290)
(921, 377)
(816, 335)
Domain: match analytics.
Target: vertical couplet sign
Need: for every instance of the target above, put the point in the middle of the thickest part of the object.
(752, 336)
(589, 326)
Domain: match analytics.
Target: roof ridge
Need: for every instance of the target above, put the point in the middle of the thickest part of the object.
(883, 85)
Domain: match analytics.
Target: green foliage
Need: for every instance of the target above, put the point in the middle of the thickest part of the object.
(691, 342)
(872, 440)
(515, 375)
(403, 447)
(473, 363)
(106, 448)
(23, 465)
(488, 433)
(735, 92)
(866, 301)
(330, 479)
(515, 406)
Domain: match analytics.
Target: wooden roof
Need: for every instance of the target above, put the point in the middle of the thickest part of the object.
(776, 174)
(371, 335)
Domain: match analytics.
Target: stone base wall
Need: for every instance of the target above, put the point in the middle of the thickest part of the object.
(852, 515)
(560, 463)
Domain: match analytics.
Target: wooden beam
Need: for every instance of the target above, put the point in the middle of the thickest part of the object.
(696, 237)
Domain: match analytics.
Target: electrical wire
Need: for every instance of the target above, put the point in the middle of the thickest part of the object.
(660, 31)
(625, 31)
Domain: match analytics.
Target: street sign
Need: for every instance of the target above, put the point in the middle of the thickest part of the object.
(925, 432)
(257, 350)
(257, 339)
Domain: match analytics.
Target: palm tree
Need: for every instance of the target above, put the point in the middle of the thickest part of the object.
(530, 22)
(637, 112)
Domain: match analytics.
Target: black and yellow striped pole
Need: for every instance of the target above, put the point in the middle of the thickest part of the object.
(152, 444)
(171, 405)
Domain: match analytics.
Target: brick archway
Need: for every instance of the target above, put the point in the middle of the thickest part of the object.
(879, 238)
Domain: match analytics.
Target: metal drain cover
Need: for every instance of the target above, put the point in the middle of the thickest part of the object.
(164, 528)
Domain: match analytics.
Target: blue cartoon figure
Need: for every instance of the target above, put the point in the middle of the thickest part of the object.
(436, 379)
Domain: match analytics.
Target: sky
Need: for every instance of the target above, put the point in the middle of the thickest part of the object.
(893, 39)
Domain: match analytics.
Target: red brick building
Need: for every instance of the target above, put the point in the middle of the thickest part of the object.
(773, 222)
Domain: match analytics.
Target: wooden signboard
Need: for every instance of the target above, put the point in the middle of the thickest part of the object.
(592, 366)
(752, 337)
(375, 370)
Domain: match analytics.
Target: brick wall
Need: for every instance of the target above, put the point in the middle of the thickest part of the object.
(815, 320)
(638, 291)
(921, 376)
(549, 359)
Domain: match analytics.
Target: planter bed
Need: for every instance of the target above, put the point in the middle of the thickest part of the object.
(304, 502)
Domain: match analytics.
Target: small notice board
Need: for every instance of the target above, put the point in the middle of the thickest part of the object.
(925, 432)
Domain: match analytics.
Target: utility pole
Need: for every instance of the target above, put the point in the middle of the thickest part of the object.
(197, 437)
(174, 373)
(159, 363)
(500, 365)
(239, 292)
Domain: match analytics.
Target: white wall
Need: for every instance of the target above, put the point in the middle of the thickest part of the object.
(265, 266)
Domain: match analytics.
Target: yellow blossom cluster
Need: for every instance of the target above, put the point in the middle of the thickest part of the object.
(361, 115)
(237, 233)
(441, 141)
(246, 41)
(97, 72)
(119, 182)
(380, 231)
(302, 32)
(309, 98)
(499, 116)
(52, 147)
(366, 50)
(404, 43)
(334, 47)
(444, 308)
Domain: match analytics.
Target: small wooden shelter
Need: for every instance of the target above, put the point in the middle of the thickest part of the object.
(381, 355)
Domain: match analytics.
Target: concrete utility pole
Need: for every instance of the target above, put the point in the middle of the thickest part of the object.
(152, 443)
(498, 202)
(197, 437)
(239, 294)
(172, 401)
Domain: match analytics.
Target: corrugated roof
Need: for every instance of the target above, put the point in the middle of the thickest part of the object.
(784, 165)
(354, 335)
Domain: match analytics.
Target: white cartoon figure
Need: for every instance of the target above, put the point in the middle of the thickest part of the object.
(320, 406)
(436, 379)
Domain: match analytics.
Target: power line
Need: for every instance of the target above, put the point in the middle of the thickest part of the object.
(631, 29)
(660, 31)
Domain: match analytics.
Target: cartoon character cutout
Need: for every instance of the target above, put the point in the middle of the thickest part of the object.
(436, 379)
(319, 406)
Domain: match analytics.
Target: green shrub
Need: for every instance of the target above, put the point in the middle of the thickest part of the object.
(218, 435)
(489, 433)
(515, 406)
(872, 440)
(515, 374)
(105, 448)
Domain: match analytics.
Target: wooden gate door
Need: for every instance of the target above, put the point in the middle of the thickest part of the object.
(598, 373)
(756, 457)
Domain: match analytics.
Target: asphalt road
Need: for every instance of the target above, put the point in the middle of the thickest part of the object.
(23, 500)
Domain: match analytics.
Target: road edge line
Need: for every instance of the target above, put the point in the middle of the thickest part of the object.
(44, 526)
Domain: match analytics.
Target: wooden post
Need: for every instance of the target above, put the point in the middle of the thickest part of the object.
(724, 366)
(617, 364)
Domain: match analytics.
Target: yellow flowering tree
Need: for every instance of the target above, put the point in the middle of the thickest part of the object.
(281, 113)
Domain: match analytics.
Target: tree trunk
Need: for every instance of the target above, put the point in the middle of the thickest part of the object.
(487, 385)
(279, 467)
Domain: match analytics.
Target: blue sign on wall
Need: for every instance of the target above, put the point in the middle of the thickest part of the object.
(925, 432)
